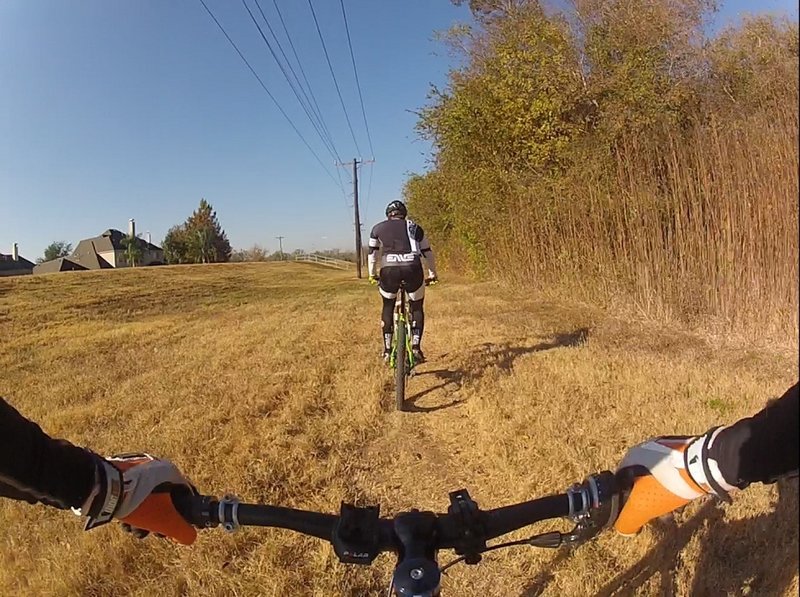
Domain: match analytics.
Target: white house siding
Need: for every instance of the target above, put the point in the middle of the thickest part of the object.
(110, 257)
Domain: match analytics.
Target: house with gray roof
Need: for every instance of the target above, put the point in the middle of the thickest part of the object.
(104, 252)
(62, 264)
(108, 250)
(14, 264)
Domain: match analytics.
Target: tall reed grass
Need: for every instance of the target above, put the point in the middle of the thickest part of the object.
(700, 227)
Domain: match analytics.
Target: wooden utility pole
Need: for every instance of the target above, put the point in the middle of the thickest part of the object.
(356, 214)
(280, 244)
(357, 218)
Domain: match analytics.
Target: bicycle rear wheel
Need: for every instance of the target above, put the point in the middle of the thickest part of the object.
(400, 364)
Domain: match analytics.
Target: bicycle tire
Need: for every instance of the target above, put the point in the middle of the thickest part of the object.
(401, 362)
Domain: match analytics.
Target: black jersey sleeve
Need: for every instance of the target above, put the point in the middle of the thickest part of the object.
(761, 448)
(37, 468)
(374, 240)
(419, 233)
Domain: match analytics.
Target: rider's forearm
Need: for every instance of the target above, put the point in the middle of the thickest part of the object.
(373, 254)
(36, 468)
(430, 260)
(372, 263)
(427, 254)
(761, 448)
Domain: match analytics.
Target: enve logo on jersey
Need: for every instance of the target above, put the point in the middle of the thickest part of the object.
(394, 258)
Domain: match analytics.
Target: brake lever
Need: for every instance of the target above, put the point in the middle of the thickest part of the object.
(551, 540)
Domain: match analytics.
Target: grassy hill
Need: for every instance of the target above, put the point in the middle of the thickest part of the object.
(264, 380)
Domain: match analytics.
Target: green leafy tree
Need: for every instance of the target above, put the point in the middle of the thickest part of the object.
(545, 102)
(200, 239)
(510, 114)
(201, 247)
(56, 249)
(208, 242)
(607, 140)
(175, 245)
(133, 249)
(753, 67)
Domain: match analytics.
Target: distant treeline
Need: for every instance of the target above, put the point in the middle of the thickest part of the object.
(259, 253)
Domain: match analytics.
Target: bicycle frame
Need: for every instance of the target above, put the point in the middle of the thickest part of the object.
(402, 317)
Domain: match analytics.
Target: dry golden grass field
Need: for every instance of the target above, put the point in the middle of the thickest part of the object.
(264, 380)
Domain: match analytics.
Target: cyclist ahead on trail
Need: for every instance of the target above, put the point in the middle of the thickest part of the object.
(402, 244)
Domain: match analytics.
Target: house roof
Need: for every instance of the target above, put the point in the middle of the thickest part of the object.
(7, 263)
(86, 254)
(62, 264)
(111, 240)
(93, 261)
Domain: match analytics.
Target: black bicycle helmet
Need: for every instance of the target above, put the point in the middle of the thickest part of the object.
(396, 208)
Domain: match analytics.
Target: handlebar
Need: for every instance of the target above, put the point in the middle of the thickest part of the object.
(359, 535)
(207, 512)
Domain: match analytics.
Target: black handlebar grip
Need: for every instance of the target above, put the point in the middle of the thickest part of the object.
(608, 496)
(197, 510)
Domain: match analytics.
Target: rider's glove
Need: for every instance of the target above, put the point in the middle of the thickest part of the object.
(432, 279)
(666, 473)
(137, 489)
(373, 280)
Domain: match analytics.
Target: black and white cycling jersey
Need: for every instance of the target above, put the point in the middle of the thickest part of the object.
(400, 242)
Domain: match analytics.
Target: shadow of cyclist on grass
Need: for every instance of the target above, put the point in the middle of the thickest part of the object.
(481, 358)
(752, 556)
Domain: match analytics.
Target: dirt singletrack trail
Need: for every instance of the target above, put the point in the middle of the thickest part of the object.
(265, 380)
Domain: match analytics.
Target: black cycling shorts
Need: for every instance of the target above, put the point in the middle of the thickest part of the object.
(412, 275)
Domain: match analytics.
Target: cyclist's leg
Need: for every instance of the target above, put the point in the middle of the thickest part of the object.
(417, 322)
(387, 323)
(388, 287)
(415, 282)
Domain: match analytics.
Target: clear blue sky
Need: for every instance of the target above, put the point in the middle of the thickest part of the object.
(111, 110)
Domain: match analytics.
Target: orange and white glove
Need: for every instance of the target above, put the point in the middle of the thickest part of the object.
(137, 490)
(666, 473)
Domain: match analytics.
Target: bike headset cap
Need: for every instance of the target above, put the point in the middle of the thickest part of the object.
(396, 208)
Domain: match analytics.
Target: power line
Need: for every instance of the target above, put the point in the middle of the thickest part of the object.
(308, 84)
(299, 64)
(312, 102)
(313, 106)
(319, 125)
(327, 141)
(264, 87)
(369, 188)
(358, 84)
(344, 193)
(330, 67)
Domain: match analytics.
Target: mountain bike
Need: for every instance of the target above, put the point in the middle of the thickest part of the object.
(359, 535)
(401, 357)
